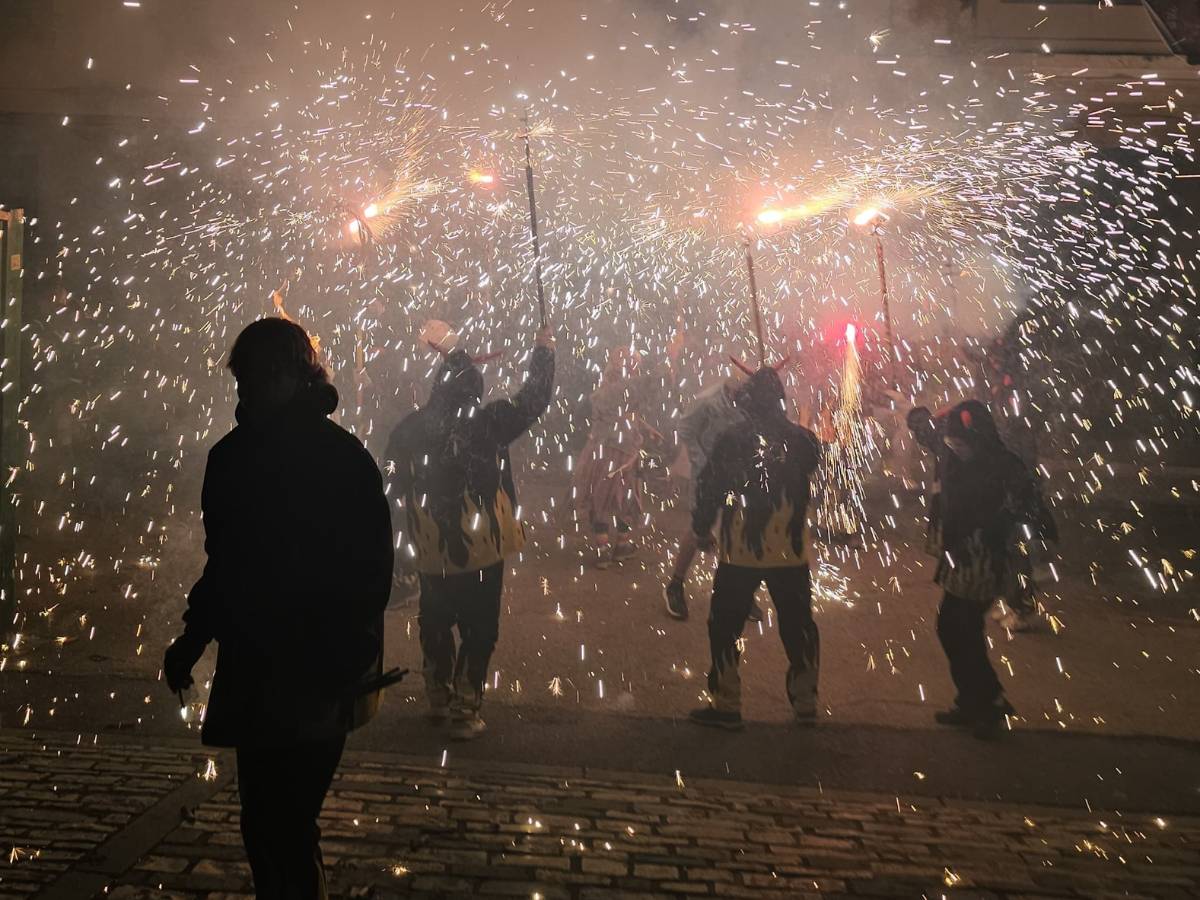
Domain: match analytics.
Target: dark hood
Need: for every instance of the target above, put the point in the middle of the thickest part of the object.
(762, 395)
(972, 422)
(316, 400)
(457, 382)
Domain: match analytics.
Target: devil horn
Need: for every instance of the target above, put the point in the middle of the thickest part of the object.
(741, 365)
(487, 357)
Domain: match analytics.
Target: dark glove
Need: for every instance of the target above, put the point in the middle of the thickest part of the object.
(920, 422)
(179, 659)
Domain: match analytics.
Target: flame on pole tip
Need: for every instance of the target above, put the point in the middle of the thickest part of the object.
(484, 179)
(851, 332)
(807, 209)
(867, 216)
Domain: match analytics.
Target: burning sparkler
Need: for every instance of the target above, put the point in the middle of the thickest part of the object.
(1078, 249)
(875, 217)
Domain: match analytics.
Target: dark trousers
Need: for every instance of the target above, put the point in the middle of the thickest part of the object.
(733, 594)
(960, 629)
(282, 790)
(455, 675)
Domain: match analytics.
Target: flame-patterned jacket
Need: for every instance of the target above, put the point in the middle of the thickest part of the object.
(757, 482)
(450, 470)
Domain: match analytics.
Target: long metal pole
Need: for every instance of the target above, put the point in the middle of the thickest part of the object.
(533, 226)
(12, 232)
(948, 274)
(758, 323)
(887, 312)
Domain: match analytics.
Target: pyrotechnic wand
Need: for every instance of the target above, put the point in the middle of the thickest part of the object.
(887, 312)
(875, 217)
(758, 323)
(533, 226)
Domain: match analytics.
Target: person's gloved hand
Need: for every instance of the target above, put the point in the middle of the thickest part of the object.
(178, 661)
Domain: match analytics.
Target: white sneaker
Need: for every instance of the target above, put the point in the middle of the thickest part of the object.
(467, 727)
(1018, 622)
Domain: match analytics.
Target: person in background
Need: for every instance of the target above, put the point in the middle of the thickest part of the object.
(985, 512)
(1003, 376)
(298, 540)
(711, 414)
(608, 479)
(756, 483)
(452, 474)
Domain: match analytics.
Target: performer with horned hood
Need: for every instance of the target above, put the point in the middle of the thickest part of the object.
(714, 411)
(451, 473)
(757, 481)
(986, 512)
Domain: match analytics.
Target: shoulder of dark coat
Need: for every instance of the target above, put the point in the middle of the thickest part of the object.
(1012, 465)
(227, 445)
(734, 440)
(799, 432)
(327, 433)
(344, 441)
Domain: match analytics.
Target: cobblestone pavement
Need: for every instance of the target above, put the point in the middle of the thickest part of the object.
(83, 818)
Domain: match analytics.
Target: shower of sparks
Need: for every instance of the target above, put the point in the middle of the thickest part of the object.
(849, 451)
(374, 193)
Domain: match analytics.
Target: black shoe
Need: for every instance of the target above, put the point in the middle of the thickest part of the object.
(956, 716)
(676, 600)
(713, 718)
(755, 614)
(986, 718)
(992, 723)
(990, 728)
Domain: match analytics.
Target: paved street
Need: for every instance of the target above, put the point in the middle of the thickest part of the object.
(592, 682)
(586, 655)
(82, 818)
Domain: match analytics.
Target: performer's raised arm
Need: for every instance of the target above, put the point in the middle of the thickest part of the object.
(511, 418)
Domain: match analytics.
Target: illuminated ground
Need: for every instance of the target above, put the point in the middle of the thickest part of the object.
(1094, 699)
(126, 820)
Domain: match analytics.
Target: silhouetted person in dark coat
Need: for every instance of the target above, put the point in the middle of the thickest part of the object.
(299, 568)
(454, 478)
(985, 511)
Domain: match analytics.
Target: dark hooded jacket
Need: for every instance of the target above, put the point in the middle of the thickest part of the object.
(757, 481)
(299, 568)
(451, 470)
(985, 508)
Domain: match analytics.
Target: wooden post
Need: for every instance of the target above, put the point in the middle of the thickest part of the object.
(12, 237)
